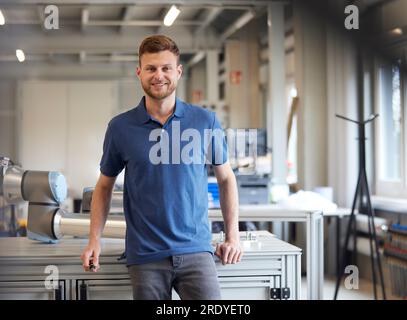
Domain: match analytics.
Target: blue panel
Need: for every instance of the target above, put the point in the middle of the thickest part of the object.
(57, 184)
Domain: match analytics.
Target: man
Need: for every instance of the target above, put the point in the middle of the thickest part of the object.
(168, 239)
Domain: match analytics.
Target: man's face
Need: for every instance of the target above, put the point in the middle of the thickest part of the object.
(159, 74)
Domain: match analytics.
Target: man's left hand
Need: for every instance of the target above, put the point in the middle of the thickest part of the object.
(229, 252)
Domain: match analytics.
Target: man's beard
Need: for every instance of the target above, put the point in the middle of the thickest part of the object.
(161, 94)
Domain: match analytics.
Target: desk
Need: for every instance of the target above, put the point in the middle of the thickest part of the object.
(315, 241)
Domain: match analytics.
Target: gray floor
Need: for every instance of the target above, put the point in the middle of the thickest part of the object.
(364, 292)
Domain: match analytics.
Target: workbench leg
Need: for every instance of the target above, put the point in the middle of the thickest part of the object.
(310, 269)
(321, 257)
(315, 256)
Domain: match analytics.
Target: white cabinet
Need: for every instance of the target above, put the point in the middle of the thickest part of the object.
(31, 290)
(270, 269)
(102, 289)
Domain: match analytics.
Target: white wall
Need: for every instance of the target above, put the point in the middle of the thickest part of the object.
(326, 78)
(129, 95)
(7, 119)
(62, 126)
(342, 145)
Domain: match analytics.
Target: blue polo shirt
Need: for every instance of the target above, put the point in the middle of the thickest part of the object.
(165, 185)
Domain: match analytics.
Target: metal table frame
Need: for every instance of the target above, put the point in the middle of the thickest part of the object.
(314, 235)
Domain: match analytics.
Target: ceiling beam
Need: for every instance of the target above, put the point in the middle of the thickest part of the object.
(28, 57)
(109, 23)
(82, 57)
(126, 16)
(41, 17)
(161, 15)
(146, 2)
(140, 23)
(84, 18)
(210, 17)
(238, 24)
(96, 51)
(123, 58)
(66, 41)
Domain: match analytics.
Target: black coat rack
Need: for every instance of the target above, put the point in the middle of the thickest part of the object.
(362, 196)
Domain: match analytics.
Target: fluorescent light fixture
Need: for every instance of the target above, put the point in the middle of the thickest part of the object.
(171, 15)
(397, 31)
(2, 20)
(20, 55)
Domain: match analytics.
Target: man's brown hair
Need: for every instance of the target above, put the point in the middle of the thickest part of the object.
(158, 43)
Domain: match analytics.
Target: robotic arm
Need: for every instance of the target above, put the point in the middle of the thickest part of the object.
(45, 191)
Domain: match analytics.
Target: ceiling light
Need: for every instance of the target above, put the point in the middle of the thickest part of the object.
(20, 55)
(2, 20)
(397, 31)
(171, 15)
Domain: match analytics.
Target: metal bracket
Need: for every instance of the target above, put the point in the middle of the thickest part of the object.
(280, 293)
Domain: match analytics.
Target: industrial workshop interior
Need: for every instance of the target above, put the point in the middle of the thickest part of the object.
(311, 99)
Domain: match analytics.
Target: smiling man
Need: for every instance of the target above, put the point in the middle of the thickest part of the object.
(168, 238)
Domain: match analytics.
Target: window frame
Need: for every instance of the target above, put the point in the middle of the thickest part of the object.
(386, 188)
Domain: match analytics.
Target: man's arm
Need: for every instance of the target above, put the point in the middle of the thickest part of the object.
(229, 251)
(99, 211)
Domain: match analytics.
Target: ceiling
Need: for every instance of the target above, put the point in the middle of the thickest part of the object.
(110, 31)
(382, 24)
(386, 25)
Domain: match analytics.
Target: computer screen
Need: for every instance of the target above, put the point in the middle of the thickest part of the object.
(246, 142)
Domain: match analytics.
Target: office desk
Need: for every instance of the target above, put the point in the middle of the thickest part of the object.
(314, 242)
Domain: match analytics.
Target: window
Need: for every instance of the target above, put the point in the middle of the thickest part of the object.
(391, 150)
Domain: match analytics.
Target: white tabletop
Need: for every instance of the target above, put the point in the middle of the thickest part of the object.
(274, 210)
(267, 212)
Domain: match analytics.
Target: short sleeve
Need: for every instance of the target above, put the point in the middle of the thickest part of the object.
(218, 145)
(112, 162)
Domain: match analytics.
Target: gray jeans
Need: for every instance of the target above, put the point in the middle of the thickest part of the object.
(193, 276)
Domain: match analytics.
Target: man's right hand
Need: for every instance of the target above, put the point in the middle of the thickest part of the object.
(90, 256)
